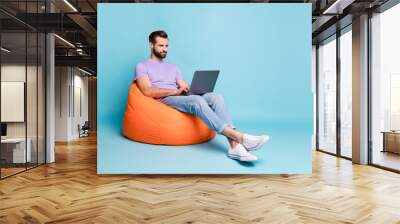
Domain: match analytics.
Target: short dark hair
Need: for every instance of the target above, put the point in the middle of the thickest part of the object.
(157, 33)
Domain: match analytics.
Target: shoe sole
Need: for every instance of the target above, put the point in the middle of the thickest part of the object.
(241, 158)
(265, 140)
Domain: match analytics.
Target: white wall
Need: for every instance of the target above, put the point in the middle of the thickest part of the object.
(15, 72)
(71, 87)
(34, 125)
(61, 103)
(80, 89)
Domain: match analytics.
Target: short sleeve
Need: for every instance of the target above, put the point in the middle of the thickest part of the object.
(178, 74)
(140, 70)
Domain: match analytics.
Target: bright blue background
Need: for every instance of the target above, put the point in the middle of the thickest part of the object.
(264, 54)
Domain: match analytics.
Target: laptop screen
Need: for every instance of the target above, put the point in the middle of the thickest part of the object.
(204, 81)
(3, 129)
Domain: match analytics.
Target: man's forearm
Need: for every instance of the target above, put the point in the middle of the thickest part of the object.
(159, 92)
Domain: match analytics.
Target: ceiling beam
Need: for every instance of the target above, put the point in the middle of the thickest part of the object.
(83, 61)
(84, 24)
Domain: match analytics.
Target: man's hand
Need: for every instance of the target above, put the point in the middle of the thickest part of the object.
(184, 89)
(183, 84)
(180, 91)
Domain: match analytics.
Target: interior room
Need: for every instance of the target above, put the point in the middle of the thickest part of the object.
(343, 167)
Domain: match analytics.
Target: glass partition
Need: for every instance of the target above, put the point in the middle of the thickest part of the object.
(346, 93)
(22, 77)
(327, 95)
(14, 153)
(385, 89)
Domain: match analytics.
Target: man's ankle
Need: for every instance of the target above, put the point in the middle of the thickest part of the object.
(240, 138)
(234, 144)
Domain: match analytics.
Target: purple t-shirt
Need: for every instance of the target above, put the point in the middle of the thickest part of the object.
(161, 74)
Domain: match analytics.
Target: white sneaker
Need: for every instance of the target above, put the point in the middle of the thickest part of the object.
(240, 153)
(252, 142)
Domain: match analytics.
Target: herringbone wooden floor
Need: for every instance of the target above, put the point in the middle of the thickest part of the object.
(70, 191)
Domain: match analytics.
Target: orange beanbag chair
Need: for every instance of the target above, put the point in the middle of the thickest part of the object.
(150, 121)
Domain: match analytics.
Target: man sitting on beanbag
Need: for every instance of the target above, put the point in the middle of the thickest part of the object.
(163, 80)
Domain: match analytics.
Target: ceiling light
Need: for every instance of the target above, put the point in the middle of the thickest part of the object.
(70, 5)
(64, 40)
(84, 71)
(338, 6)
(5, 50)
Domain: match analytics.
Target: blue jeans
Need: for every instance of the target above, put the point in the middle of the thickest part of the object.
(209, 107)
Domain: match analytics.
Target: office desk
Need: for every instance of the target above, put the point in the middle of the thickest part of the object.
(391, 141)
(13, 150)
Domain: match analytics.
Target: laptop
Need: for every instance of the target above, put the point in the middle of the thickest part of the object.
(3, 131)
(203, 82)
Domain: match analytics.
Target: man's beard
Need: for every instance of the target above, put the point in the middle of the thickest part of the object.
(159, 55)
